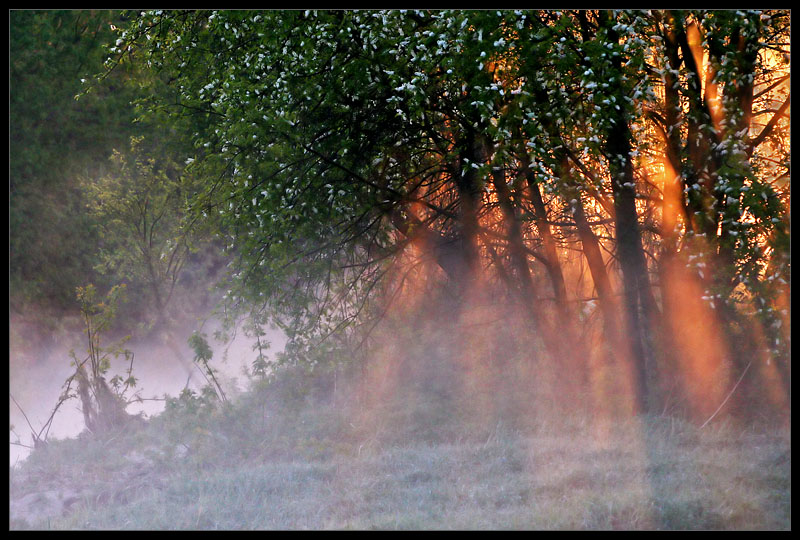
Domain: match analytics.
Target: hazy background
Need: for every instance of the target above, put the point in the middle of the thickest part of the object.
(37, 372)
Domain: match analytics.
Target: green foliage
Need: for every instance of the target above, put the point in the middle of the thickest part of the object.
(103, 406)
(64, 128)
(140, 207)
(51, 51)
(319, 145)
(191, 403)
(53, 139)
(261, 366)
(311, 154)
(202, 356)
(202, 351)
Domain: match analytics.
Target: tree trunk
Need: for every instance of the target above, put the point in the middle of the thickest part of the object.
(597, 269)
(638, 299)
(469, 193)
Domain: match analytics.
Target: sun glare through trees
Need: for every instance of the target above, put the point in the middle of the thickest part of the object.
(535, 214)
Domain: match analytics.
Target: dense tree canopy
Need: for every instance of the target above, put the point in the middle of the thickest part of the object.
(621, 178)
(652, 142)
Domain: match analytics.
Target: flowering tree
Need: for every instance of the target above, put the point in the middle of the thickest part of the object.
(652, 144)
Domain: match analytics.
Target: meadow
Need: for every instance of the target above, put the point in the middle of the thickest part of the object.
(284, 456)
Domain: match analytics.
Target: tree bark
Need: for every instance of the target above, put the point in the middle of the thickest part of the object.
(638, 299)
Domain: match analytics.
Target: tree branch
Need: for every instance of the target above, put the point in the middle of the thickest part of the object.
(769, 127)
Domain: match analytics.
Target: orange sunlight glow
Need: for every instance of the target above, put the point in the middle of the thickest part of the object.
(698, 346)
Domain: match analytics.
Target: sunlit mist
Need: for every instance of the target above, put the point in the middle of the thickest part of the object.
(400, 269)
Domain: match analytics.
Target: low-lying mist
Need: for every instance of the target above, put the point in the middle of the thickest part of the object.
(450, 405)
(477, 355)
(455, 417)
(40, 363)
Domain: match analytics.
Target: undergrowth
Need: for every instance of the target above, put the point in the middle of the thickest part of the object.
(293, 454)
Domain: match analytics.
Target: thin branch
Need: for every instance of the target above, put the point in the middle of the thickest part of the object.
(724, 401)
(33, 430)
(769, 127)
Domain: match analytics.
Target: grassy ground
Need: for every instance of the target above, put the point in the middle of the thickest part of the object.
(280, 460)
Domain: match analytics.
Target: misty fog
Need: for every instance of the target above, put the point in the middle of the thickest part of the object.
(400, 269)
(38, 369)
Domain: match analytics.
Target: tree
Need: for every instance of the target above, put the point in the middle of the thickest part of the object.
(103, 402)
(139, 205)
(52, 140)
(495, 143)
